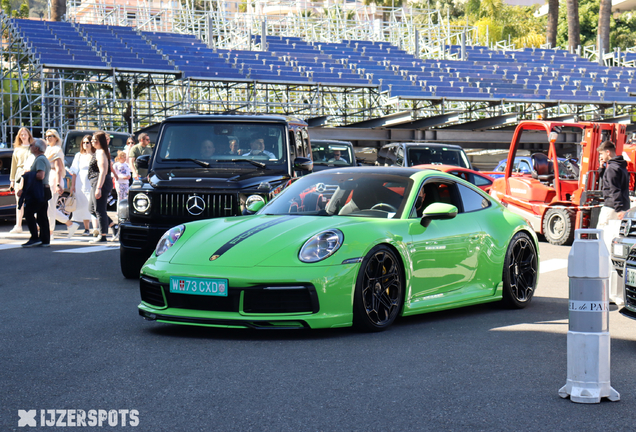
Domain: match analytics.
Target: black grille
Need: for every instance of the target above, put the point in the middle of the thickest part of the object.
(174, 204)
(208, 303)
(151, 291)
(283, 300)
(631, 232)
(630, 297)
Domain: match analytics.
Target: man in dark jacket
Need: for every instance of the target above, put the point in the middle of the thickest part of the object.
(35, 198)
(615, 184)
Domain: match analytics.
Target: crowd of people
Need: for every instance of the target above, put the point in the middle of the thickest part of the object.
(37, 177)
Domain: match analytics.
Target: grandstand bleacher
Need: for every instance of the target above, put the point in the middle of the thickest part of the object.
(529, 75)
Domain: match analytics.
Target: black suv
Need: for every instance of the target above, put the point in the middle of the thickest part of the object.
(419, 153)
(209, 166)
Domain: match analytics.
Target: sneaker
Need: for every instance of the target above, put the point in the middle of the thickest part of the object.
(87, 233)
(32, 243)
(16, 230)
(71, 229)
(45, 245)
(115, 230)
(98, 239)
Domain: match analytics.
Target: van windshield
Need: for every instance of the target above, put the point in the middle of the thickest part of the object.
(223, 143)
(437, 156)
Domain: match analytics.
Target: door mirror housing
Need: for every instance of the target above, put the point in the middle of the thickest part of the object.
(437, 211)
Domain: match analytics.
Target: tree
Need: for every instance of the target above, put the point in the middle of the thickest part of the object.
(553, 22)
(574, 29)
(385, 4)
(58, 10)
(604, 15)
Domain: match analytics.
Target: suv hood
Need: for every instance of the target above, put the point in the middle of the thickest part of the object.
(231, 178)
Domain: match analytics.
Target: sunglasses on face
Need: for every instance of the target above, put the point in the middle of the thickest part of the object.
(50, 136)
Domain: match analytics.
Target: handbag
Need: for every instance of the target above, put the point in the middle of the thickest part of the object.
(71, 203)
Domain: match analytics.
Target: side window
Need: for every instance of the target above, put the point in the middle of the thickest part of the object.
(292, 145)
(472, 201)
(399, 156)
(436, 192)
(524, 167)
(481, 181)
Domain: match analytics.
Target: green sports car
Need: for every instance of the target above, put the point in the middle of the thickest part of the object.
(353, 246)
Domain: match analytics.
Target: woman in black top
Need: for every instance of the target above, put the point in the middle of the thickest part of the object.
(101, 183)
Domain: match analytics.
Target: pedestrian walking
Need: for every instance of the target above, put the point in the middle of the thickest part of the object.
(615, 184)
(101, 184)
(56, 181)
(34, 196)
(21, 151)
(81, 186)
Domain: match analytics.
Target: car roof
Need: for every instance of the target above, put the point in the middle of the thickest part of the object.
(235, 118)
(425, 144)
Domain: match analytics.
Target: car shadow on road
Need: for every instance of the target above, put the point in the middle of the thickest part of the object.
(488, 316)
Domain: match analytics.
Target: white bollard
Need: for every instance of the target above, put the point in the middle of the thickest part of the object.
(588, 378)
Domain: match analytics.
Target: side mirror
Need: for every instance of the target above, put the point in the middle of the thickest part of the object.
(303, 164)
(437, 211)
(143, 161)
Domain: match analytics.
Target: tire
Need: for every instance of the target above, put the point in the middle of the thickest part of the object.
(520, 271)
(558, 226)
(379, 292)
(130, 263)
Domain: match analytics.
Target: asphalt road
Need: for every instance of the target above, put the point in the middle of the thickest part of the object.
(71, 338)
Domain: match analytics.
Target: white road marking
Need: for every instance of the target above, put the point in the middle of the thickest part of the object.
(556, 326)
(552, 265)
(10, 246)
(89, 249)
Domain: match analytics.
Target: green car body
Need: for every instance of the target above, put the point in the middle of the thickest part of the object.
(447, 260)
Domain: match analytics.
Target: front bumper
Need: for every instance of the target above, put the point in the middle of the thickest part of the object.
(260, 297)
(141, 238)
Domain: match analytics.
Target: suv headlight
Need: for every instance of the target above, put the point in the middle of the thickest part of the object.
(169, 238)
(321, 246)
(141, 203)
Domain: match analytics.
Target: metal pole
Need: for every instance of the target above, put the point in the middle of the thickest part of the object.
(463, 51)
(264, 35)
(417, 44)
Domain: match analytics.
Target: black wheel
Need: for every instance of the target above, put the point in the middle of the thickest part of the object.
(379, 292)
(558, 226)
(130, 263)
(520, 271)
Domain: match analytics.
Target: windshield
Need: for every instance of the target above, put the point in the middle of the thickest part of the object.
(74, 141)
(331, 154)
(361, 194)
(224, 143)
(437, 156)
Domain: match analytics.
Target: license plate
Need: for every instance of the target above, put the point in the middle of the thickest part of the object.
(630, 277)
(619, 250)
(198, 286)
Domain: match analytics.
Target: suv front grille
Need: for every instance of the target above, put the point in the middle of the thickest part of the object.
(628, 228)
(176, 204)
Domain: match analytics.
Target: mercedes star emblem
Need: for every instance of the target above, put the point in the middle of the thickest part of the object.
(195, 205)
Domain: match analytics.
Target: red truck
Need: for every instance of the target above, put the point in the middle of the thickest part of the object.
(558, 197)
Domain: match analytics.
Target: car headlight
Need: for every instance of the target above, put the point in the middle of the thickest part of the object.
(321, 246)
(252, 199)
(141, 203)
(169, 238)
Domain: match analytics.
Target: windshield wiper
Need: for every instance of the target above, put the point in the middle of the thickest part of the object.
(196, 161)
(253, 162)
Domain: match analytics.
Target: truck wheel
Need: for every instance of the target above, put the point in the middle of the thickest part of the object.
(130, 263)
(558, 226)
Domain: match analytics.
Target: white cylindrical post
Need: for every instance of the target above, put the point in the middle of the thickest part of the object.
(588, 378)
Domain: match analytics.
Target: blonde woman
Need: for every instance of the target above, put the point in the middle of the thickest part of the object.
(21, 151)
(56, 181)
